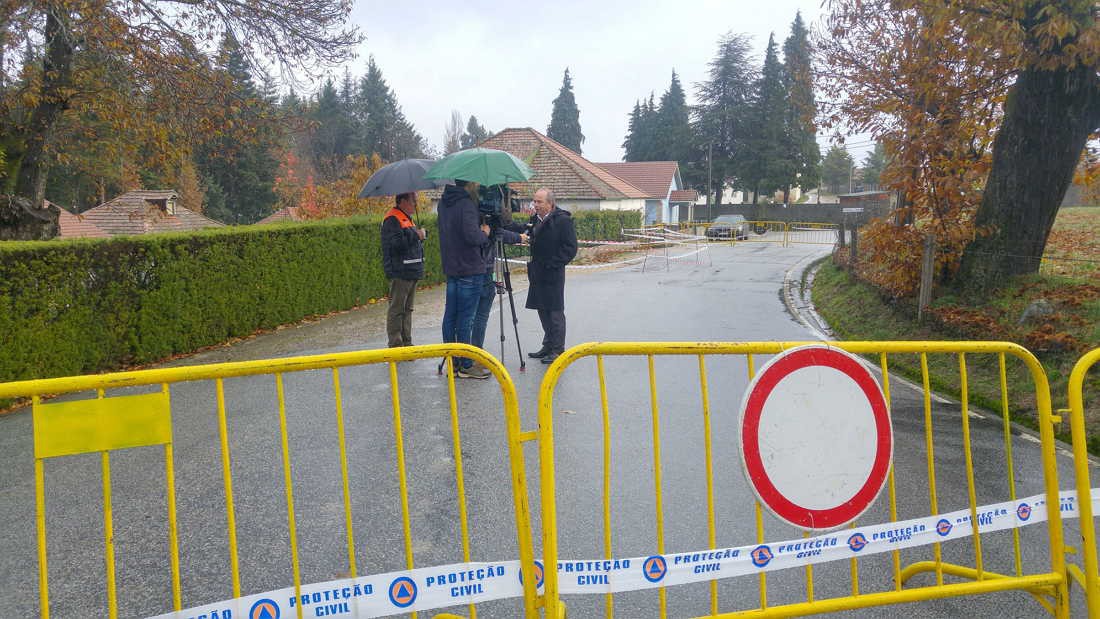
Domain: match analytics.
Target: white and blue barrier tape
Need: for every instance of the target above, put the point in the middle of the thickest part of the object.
(427, 588)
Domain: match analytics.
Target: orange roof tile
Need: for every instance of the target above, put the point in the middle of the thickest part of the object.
(653, 177)
(72, 226)
(684, 195)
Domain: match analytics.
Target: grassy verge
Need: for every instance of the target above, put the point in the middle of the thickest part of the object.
(856, 311)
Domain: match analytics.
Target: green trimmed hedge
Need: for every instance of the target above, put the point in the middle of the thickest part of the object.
(605, 225)
(89, 305)
(83, 306)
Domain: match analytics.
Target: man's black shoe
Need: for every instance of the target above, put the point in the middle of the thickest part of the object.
(538, 354)
(549, 358)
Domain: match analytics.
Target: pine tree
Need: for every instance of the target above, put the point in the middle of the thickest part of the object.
(836, 170)
(475, 134)
(798, 60)
(722, 117)
(673, 132)
(385, 129)
(565, 119)
(239, 161)
(330, 140)
(631, 144)
(773, 164)
(873, 165)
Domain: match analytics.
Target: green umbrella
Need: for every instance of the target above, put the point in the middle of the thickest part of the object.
(486, 166)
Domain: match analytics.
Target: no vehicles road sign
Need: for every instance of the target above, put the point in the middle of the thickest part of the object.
(815, 437)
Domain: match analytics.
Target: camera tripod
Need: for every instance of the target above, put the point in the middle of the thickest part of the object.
(506, 286)
(502, 285)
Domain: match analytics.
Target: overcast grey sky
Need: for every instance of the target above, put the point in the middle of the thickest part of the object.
(503, 61)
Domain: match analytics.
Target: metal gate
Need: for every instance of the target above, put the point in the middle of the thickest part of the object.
(964, 537)
(282, 436)
(1086, 574)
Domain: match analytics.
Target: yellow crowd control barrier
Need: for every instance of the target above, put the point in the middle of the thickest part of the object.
(104, 423)
(812, 233)
(697, 503)
(1087, 576)
(767, 232)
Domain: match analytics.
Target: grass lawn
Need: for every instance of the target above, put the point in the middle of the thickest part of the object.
(1070, 283)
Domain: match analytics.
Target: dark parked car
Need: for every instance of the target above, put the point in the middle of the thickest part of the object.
(729, 227)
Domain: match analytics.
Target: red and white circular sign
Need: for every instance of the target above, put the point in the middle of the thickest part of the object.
(815, 437)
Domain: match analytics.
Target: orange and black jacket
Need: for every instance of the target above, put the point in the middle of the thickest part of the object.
(402, 249)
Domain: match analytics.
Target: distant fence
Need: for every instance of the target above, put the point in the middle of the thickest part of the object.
(806, 212)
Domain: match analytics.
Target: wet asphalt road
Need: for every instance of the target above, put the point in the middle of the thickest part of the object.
(727, 293)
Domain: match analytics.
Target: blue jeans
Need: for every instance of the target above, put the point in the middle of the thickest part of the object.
(458, 315)
(484, 306)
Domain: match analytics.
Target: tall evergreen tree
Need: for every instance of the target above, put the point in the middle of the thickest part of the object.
(647, 132)
(674, 135)
(238, 164)
(772, 165)
(722, 116)
(331, 136)
(385, 129)
(565, 119)
(632, 142)
(873, 164)
(802, 127)
(836, 170)
(475, 134)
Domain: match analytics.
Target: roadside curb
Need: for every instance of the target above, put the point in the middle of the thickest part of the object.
(797, 284)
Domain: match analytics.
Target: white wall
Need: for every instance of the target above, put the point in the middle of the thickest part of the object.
(623, 205)
(729, 196)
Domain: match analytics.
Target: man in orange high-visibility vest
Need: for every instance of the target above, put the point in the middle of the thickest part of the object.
(403, 262)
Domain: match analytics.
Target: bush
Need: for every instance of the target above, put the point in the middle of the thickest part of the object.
(84, 306)
(605, 225)
(88, 305)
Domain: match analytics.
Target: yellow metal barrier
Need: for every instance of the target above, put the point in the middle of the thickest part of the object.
(1086, 575)
(812, 233)
(767, 232)
(104, 425)
(1047, 584)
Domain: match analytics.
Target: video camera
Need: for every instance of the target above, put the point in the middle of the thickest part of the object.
(490, 203)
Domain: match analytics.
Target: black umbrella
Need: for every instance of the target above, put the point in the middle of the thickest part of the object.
(400, 177)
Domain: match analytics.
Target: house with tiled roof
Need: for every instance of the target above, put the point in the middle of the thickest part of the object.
(287, 213)
(73, 226)
(659, 180)
(146, 211)
(578, 184)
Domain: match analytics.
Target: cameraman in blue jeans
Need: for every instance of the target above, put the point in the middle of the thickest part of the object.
(461, 244)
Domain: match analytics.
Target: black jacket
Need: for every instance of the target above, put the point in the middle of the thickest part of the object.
(553, 245)
(460, 237)
(402, 250)
(489, 252)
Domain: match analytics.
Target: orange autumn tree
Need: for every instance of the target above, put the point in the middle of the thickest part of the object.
(983, 106)
(155, 51)
(295, 186)
(908, 77)
(338, 198)
(1087, 176)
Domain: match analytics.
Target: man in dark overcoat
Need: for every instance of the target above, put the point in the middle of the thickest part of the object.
(553, 245)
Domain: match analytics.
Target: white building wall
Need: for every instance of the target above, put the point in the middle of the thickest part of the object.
(623, 205)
